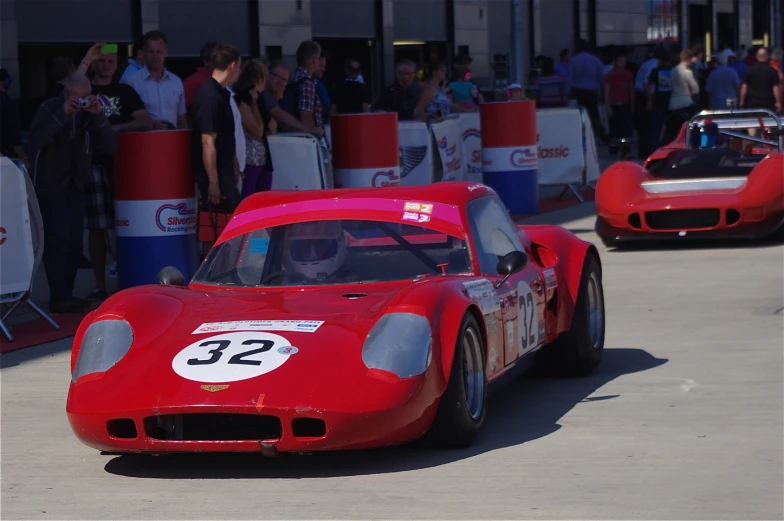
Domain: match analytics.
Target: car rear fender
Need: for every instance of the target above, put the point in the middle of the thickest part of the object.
(557, 248)
(766, 180)
(617, 185)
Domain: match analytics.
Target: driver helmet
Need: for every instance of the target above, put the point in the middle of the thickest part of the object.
(317, 249)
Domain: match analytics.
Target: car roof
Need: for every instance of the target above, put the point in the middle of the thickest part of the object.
(457, 193)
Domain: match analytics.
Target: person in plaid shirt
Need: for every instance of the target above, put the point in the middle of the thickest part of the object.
(302, 90)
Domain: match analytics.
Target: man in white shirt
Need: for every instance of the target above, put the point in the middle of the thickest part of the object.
(239, 136)
(161, 91)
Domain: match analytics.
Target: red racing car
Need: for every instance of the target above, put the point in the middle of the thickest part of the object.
(338, 319)
(712, 182)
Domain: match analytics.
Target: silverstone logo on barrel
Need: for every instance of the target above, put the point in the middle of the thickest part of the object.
(177, 218)
(385, 178)
(524, 158)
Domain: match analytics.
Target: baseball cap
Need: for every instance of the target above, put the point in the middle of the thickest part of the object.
(514, 86)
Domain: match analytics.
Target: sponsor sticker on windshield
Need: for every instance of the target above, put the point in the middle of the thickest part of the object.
(418, 207)
(301, 326)
(416, 217)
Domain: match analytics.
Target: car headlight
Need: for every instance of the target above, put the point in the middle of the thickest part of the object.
(104, 343)
(400, 343)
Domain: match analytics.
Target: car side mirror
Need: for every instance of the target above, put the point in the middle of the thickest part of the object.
(171, 276)
(510, 264)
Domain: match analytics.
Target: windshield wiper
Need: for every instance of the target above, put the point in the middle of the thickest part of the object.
(430, 263)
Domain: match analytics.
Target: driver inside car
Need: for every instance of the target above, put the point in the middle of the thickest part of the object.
(317, 252)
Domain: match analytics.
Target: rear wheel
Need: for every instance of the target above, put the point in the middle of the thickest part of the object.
(461, 411)
(579, 350)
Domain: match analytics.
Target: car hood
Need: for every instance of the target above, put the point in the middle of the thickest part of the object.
(169, 363)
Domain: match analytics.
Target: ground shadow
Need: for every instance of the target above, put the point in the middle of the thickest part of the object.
(525, 410)
(697, 244)
(15, 358)
(562, 215)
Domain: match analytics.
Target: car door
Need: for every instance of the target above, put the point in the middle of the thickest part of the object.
(521, 296)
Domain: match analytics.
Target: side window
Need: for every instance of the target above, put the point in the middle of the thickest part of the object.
(494, 233)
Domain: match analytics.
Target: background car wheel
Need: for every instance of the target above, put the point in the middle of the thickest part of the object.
(461, 411)
(579, 350)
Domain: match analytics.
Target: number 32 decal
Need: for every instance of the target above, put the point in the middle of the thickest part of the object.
(527, 319)
(234, 356)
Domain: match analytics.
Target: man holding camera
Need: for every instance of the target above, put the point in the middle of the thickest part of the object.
(65, 133)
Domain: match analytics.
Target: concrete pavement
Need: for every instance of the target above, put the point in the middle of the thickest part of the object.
(683, 420)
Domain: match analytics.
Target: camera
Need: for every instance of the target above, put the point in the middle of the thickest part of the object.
(83, 103)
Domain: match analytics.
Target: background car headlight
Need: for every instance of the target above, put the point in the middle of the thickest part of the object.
(400, 343)
(104, 343)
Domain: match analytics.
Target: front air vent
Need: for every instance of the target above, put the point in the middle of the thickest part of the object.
(733, 216)
(123, 428)
(354, 296)
(212, 427)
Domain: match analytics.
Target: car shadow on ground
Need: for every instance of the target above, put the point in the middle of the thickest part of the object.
(698, 244)
(527, 409)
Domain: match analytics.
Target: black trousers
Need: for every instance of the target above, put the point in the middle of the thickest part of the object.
(589, 100)
(642, 124)
(62, 214)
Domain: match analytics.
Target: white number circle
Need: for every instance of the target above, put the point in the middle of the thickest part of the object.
(527, 319)
(232, 356)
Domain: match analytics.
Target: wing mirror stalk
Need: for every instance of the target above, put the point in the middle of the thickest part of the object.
(510, 264)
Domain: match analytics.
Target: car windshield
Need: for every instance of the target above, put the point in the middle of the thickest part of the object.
(333, 252)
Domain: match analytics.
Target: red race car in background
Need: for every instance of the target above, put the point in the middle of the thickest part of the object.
(712, 182)
(338, 319)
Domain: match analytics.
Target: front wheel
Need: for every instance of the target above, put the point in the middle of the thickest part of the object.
(579, 350)
(461, 411)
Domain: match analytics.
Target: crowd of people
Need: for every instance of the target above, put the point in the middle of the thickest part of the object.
(648, 102)
(231, 106)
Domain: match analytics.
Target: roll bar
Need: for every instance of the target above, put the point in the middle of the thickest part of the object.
(730, 120)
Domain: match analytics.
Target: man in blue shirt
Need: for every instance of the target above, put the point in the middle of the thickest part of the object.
(723, 84)
(585, 84)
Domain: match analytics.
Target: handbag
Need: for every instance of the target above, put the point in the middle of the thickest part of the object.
(212, 222)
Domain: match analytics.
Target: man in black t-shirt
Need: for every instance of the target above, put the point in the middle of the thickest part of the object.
(403, 95)
(351, 96)
(761, 86)
(126, 112)
(215, 156)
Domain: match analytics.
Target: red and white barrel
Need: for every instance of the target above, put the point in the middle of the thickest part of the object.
(365, 150)
(510, 155)
(155, 206)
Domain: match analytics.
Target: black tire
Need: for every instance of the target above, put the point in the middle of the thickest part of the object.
(575, 353)
(454, 427)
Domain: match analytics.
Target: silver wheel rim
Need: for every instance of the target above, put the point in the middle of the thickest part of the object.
(595, 311)
(472, 373)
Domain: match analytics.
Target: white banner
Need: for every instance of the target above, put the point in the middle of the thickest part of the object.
(449, 142)
(416, 153)
(16, 241)
(511, 159)
(297, 164)
(160, 218)
(560, 140)
(591, 156)
(472, 147)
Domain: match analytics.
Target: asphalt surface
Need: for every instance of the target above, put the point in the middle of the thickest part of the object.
(683, 420)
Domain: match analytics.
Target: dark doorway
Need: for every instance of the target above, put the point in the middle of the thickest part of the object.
(725, 31)
(363, 50)
(760, 22)
(698, 24)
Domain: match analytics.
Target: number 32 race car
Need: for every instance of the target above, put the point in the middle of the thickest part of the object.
(712, 182)
(338, 319)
